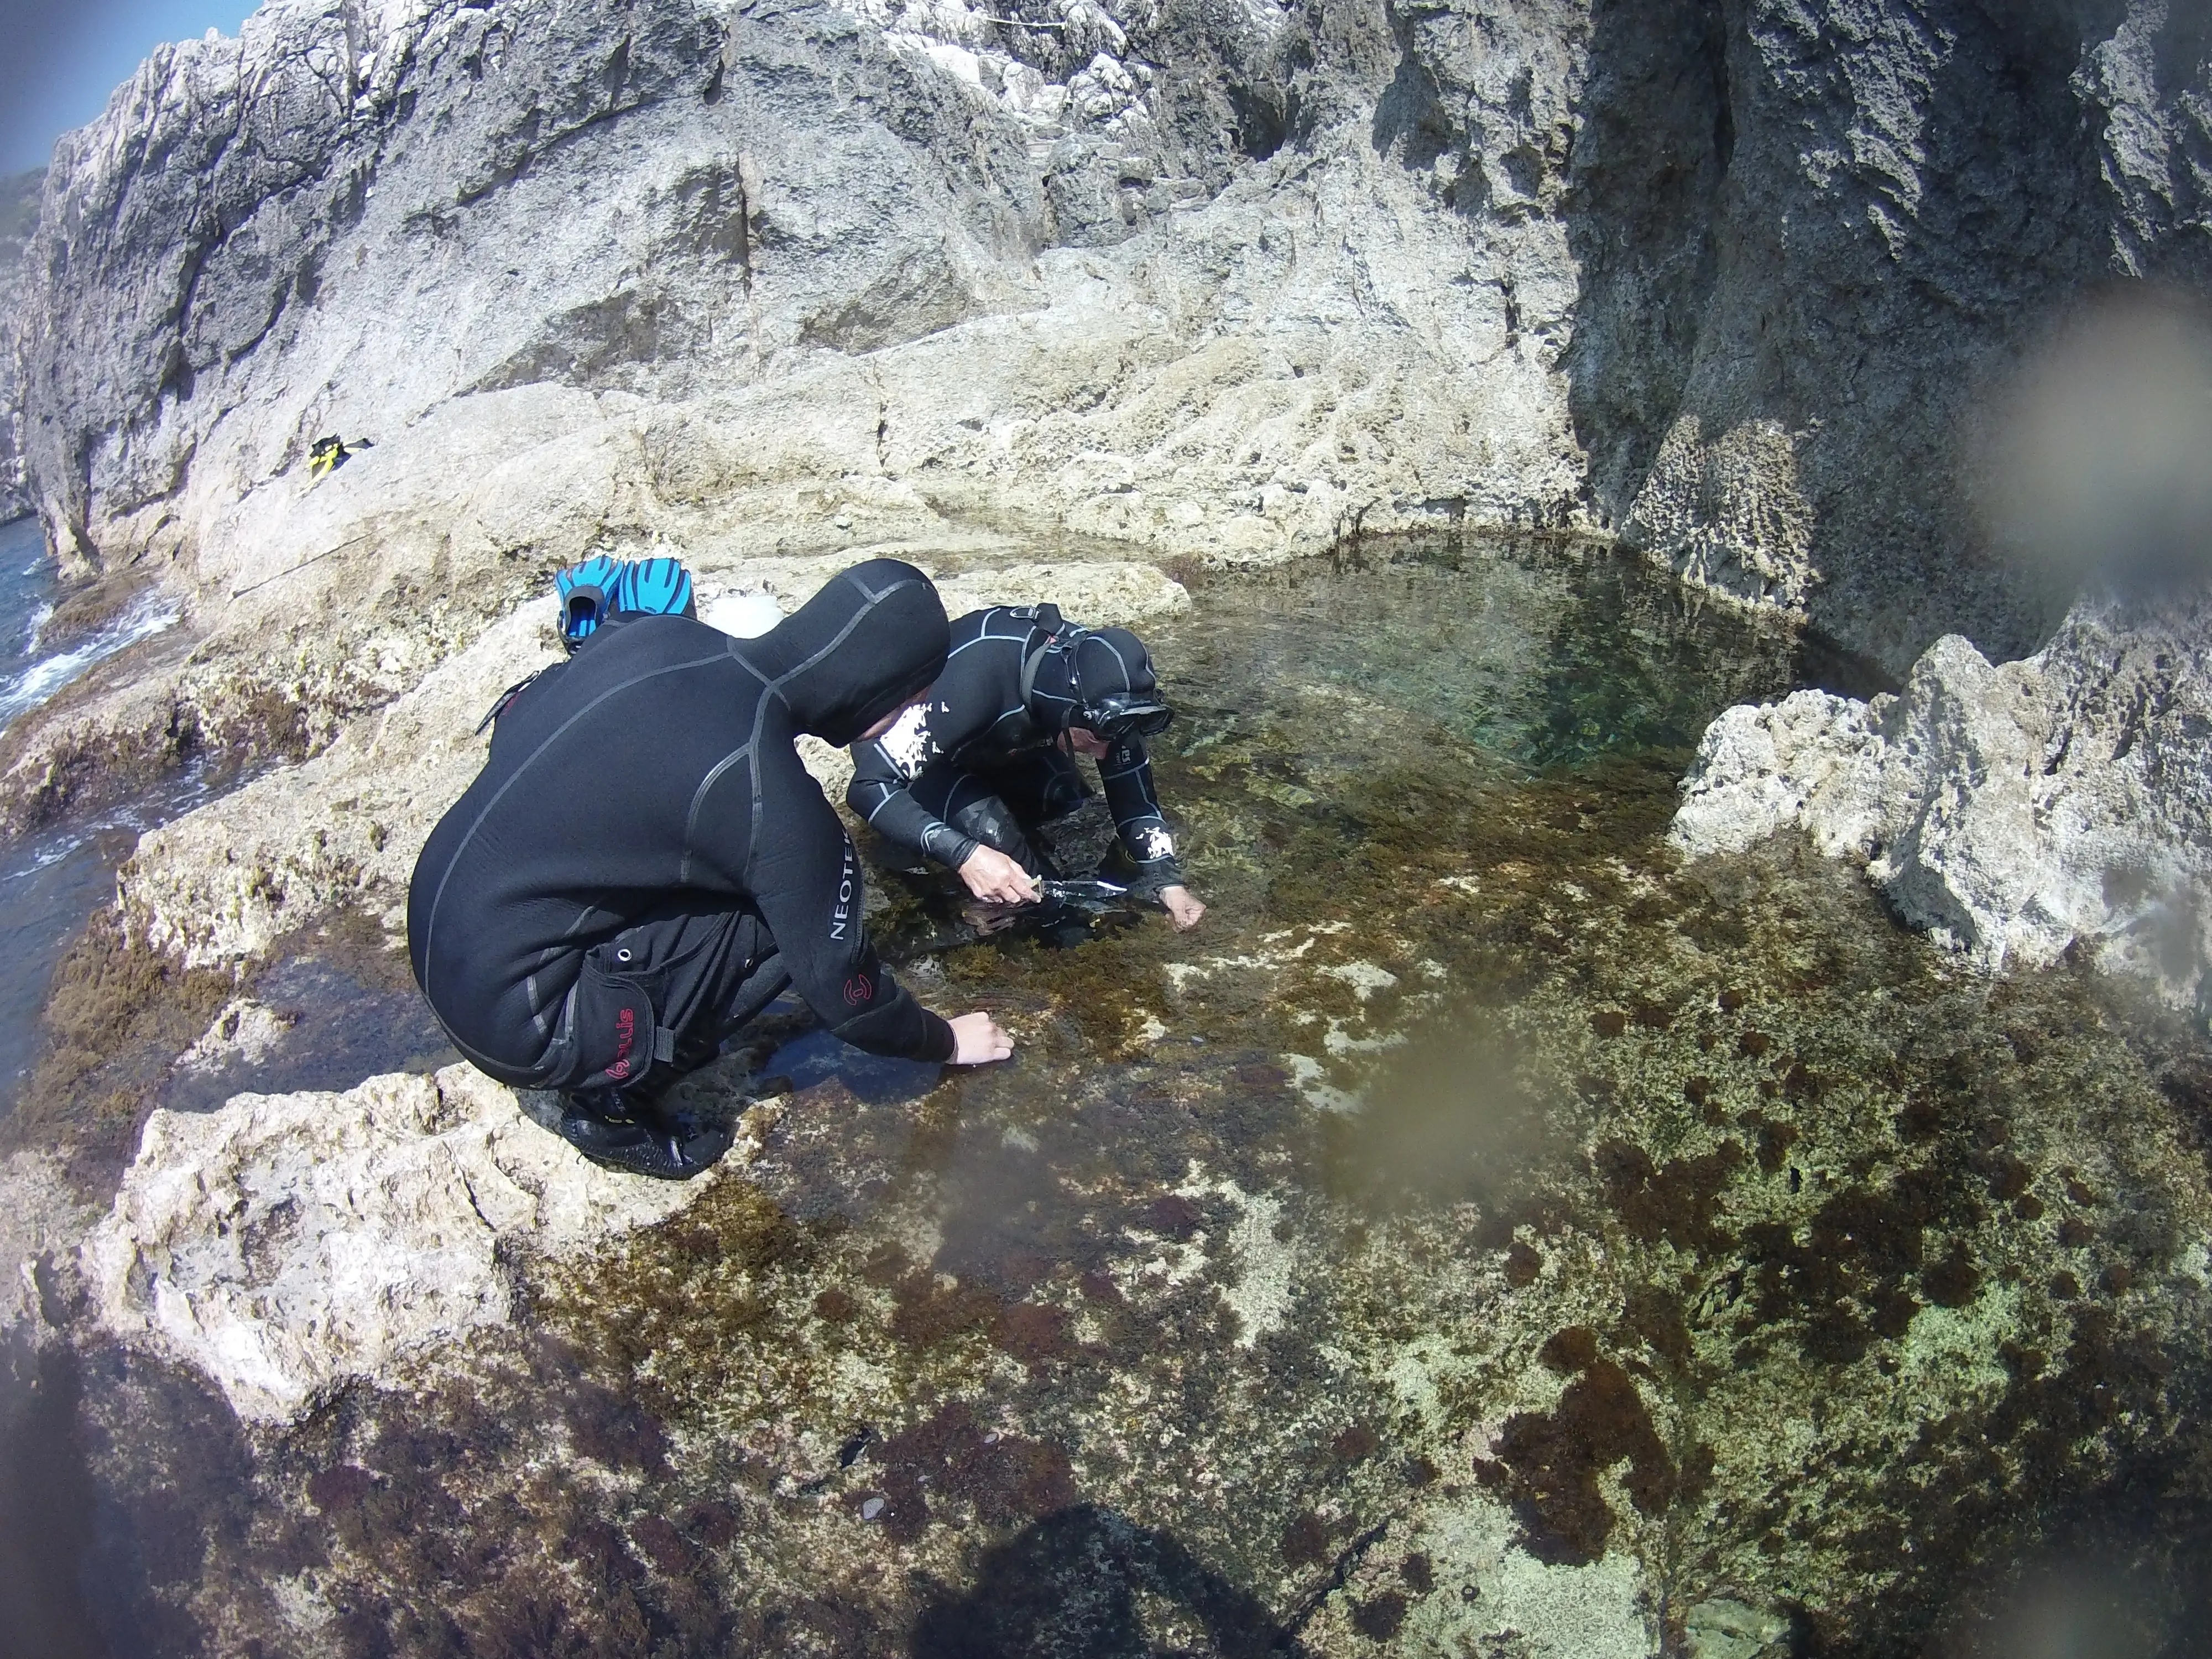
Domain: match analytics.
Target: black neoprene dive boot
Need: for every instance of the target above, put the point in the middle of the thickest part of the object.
(619, 1132)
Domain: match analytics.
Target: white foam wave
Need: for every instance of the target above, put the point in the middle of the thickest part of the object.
(149, 614)
(40, 618)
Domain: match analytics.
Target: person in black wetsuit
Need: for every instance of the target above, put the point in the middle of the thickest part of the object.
(968, 774)
(643, 865)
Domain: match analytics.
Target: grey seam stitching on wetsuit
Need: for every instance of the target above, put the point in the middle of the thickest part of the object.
(744, 661)
(753, 831)
(985, 639)
(540, 1013)
(1128, 679)
(699, 801)
(776, 685)
(438, 898)
(842, 634)
(484, 1062)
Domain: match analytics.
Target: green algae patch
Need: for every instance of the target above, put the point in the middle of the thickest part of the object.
(118, 1013)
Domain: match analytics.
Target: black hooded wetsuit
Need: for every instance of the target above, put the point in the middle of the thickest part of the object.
(977, 763)
(643, 863)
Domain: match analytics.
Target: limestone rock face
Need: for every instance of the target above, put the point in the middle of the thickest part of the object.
(1908, 192)
(286, 1242)
(19, 212)
(744, 284)
(352, 223)
(2017, 810)
(1230, 281)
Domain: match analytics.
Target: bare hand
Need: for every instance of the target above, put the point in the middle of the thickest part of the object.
(991, 875)
(977, 1040)
(1183, 907)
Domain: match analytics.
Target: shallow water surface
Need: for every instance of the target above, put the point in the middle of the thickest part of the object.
(51, 881)
(33, 666)
(1483, 1236)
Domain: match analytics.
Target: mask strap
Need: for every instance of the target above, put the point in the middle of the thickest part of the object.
(1035, 660)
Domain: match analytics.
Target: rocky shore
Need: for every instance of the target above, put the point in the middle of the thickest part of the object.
(1109, 304)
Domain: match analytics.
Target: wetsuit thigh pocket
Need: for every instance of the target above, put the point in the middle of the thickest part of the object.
(612, 1024)
(641, 992)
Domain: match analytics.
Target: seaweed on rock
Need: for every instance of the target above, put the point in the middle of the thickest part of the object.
(1171, 1333)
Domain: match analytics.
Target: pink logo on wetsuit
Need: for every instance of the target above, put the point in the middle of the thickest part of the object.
(625, 1040)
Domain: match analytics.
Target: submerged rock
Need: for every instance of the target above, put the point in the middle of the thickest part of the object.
(43, 1221)
(1723, 1629)
(285, 1244)
(2017, 811)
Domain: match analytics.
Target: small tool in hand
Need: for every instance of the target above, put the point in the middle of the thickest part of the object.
(1086, 890)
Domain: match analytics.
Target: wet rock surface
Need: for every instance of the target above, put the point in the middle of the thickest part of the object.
(1485, 1234)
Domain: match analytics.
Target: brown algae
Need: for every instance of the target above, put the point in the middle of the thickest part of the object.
(1485, 1234)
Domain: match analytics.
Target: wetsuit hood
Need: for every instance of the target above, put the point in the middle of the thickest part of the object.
(874, 637)
(1096, 662)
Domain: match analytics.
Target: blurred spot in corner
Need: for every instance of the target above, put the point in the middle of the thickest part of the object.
(2099, 468)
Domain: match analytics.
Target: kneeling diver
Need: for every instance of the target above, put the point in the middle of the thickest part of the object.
(968, 774)
(643, 865)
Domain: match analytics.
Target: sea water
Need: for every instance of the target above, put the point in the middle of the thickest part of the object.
(1485, 1234)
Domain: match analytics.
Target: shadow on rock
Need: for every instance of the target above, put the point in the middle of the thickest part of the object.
(46, 1500)
(1090, 1584)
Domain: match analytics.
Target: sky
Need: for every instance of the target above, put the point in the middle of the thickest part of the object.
(59, 59)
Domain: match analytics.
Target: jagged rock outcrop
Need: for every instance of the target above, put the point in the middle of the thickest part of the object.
(1908, 196)
(2021, 811)
(1229, 280)
(19, 213)
(286, 1242)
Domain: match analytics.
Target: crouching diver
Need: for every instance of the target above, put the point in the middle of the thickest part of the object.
(967, 776)
(643, 865)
